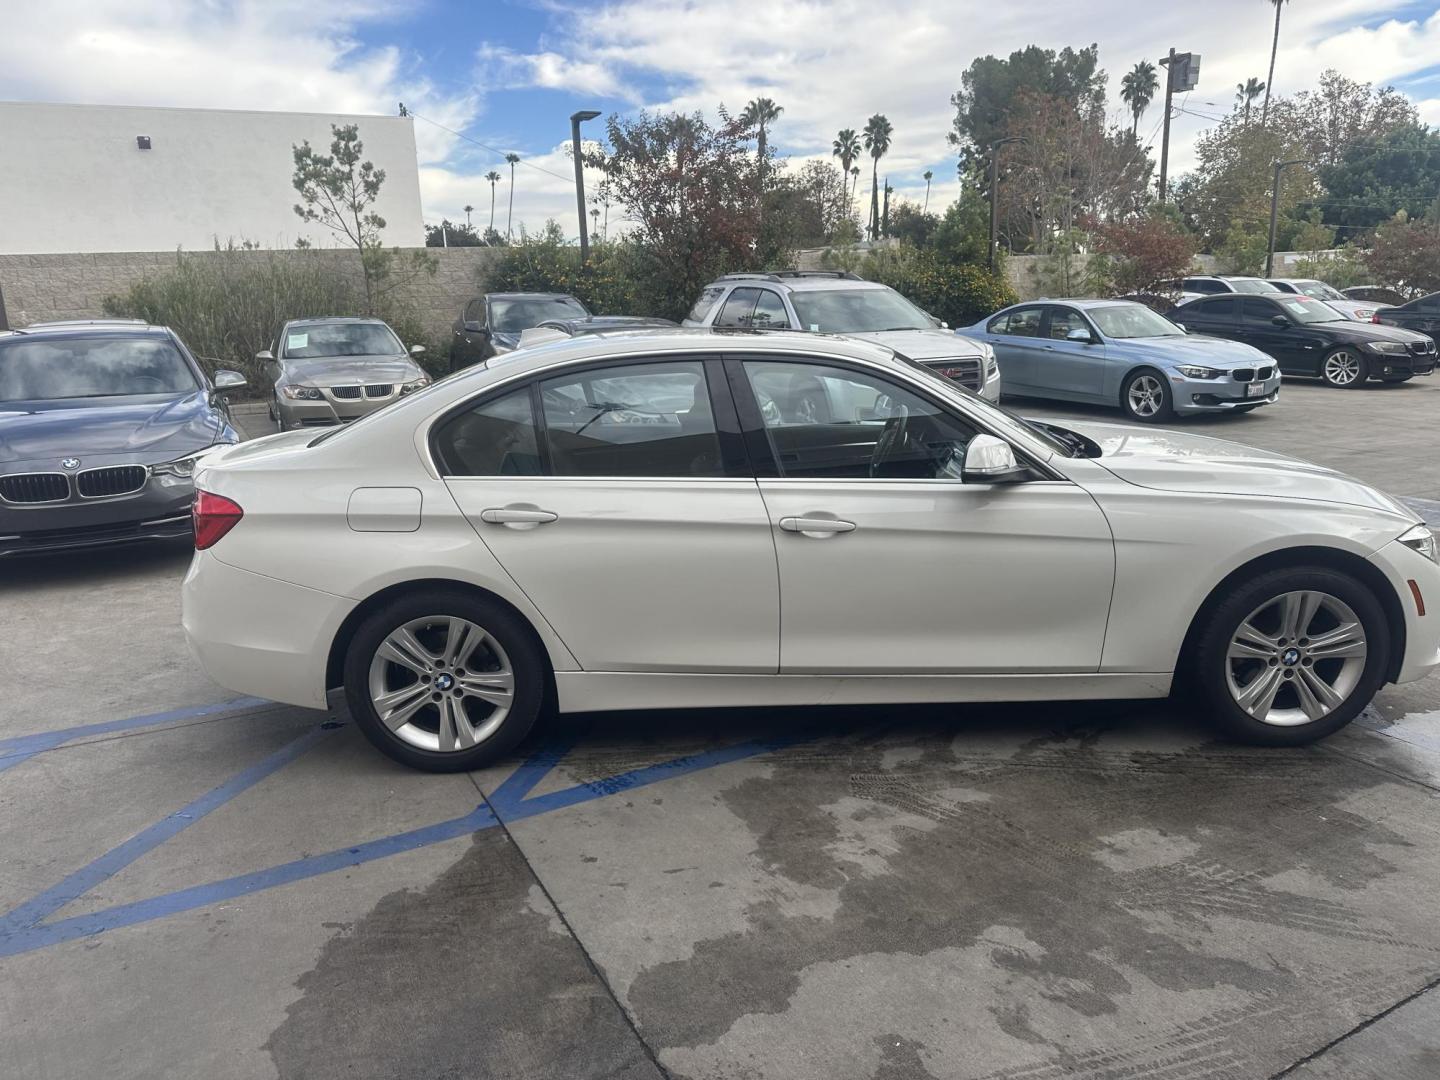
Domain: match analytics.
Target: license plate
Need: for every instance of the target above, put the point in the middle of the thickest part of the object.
(1255, 389)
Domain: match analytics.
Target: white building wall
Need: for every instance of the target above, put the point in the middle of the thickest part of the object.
(73, 179)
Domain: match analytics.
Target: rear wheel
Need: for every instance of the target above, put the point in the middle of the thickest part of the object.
(1344, 368)
(1146, 397)
(444, 682)
(1292, 656)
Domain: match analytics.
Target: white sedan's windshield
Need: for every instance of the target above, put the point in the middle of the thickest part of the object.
(1319, 290)
(1251, 285)
(1132, 321)
(857, 311)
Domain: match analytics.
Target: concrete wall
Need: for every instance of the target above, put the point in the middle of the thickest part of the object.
(38, 288)
(73, 179)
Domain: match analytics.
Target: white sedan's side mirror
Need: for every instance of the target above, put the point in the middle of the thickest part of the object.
(416, 350)
(228, 380)
(990, 460)
(264, 354)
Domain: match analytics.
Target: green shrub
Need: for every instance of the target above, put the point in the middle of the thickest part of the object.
(228, 304)
(958, 294)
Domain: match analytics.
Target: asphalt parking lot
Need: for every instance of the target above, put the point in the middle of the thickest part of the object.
(198, 886)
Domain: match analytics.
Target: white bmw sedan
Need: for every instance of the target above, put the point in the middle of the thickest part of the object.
(700, 518)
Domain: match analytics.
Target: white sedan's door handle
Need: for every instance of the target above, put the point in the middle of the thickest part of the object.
(516, 517)
(816, 527)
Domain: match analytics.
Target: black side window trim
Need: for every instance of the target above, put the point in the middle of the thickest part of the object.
(762, 456)
(735, 462)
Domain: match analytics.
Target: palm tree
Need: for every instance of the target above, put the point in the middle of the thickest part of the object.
(468, 208)
(494, 178)
(847, 148)
(1137, 90)
(513, 159)
(759, 114)
(1274, 48)
(877, 140)
(1246, 92)
(929, 175)
(854, 181)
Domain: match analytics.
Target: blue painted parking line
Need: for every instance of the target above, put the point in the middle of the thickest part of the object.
(18, 748)
(514, 806)
(117, 858)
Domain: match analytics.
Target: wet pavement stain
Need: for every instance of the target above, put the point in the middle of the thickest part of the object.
(1011, 841)
(462, 979)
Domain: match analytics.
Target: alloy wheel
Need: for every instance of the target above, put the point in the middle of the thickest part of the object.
(1342, 368)
(1296, 658)
(1146, 396)
(441, 683)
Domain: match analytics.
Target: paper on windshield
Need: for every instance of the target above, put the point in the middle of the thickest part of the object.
(296, 341)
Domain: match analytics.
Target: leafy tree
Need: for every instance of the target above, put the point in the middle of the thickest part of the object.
(912, 224)
(1405, 254)
(688, 189)
(338, 192)
(1243, 250)
(963, 234)
(809, 208)
(959, 295)
(1140, 254)
(1374, 180)
(1230, 186)
(1339, 112)
(1137, 90)
(449, 234)
(1274, 48)
(878, 133)
(1247, 92)
(988, 96)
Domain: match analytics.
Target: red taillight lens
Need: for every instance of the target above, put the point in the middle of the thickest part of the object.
(214, 516)
(1375, 317)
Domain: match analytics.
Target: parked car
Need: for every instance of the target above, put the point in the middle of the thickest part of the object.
(834, 302)
(1307, 337)
(1117, 352)
(335, 370)
(1421, 316)
(582, 525)
(1219, 285)
(100, 428)
(554, 329)
(1359, 310)
(1375, 294)
(491, 325)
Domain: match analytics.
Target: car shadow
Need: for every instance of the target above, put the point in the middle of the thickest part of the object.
(81, 566)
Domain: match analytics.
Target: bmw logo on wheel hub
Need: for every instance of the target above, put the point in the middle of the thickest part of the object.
(444, 682)
(1290, 657)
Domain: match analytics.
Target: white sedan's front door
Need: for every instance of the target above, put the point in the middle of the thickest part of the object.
(890, 564)
(623, 518)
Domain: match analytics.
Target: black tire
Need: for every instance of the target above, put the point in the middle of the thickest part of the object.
(1132, 401)
(517, 643)
(1207, 680)
(1360, 368)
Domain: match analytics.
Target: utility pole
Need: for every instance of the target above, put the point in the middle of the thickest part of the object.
(994, 185)
(1182, 72)
(1280, 166)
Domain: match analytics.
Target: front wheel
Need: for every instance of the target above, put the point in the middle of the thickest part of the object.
(444, 682)
(1292, 656)
(1146, 397)
(1344, 369)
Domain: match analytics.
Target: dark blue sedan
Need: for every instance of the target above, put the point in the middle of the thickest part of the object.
(100, 425)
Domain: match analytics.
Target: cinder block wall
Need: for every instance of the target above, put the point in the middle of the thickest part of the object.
(39, 288)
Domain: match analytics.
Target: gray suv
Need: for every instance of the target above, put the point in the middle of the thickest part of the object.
(834, 302)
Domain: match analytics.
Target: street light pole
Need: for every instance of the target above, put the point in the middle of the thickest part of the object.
(1169, 65)
(1275, 212)
(576, 119)
(994, 185)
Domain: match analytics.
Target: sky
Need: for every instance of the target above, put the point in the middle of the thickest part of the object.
(487, 77)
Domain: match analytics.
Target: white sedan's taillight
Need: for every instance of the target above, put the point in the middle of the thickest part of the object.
(214, 516)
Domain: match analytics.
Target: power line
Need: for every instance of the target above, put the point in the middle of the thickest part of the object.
(483, 146)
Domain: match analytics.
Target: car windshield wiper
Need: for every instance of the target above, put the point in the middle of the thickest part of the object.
(601, 408)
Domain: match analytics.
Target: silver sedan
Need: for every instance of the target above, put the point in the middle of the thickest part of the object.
(332, 371)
